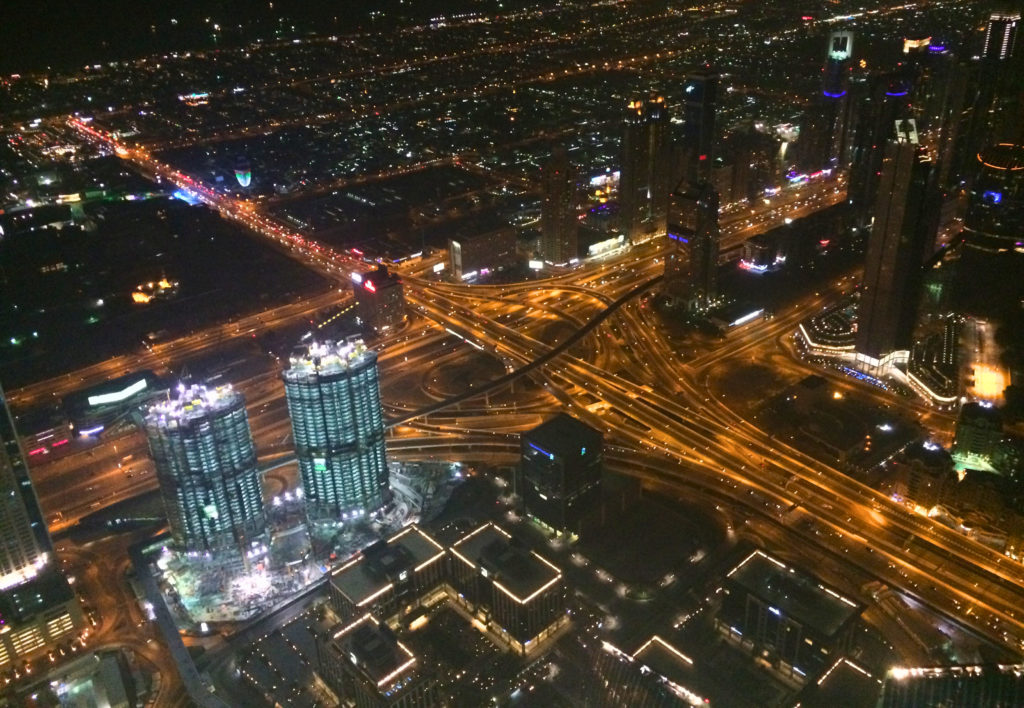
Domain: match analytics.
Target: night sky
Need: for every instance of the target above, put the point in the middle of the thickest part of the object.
(65, 34)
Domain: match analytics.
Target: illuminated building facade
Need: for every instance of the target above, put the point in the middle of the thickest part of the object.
(380, 299)
(24, 540)
(482, 251)
(37, 615)
(333, 398)
(560, 472)
(366, 665)
(205, 460)
(646, 170)
(785, 616)
(902, 238)
(37, 606)
(389, 576)
(979, 433)
(514, 592)
(957, 685)
(691, 266)
(559, 226)
(1000, 35)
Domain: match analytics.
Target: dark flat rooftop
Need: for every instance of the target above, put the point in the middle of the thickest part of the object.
(563, 435)
(43, 592)
(795, 594)
(378, 653)
(362, 577)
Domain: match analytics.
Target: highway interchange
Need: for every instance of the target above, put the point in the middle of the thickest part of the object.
(664, 419)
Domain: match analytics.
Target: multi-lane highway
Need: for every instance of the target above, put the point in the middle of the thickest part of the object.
(971, 581)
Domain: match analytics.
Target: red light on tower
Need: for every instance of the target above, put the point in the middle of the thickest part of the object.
(369, 286)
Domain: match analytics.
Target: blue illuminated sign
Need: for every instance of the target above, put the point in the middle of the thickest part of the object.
(542, 451)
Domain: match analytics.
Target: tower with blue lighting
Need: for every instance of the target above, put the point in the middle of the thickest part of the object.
(559, 476)
(691, 265)
(823, 133)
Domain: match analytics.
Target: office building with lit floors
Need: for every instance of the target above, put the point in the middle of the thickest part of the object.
(367, 666)
(901, 241)
(646, 170)
(338, 428)
(380, 299)
(388, 578)
(481, 247)
(513, 592)
(979, 434)
(205, 460)
(24, 541)
(1000, 35)
(38, 609)
(559, 477)
(785, 616)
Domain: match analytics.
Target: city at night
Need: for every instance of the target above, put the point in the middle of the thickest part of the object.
(501, 354)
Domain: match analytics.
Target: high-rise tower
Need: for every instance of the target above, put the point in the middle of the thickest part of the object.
(334, 403)
(558, 223)
(206, 467)
(24, 540)
(700, 96)
(38, 608)
(380, 299)
(646, 164)
(823, 134)
(902, 236)
(1000, 35)
(888, 101)
(691, 267)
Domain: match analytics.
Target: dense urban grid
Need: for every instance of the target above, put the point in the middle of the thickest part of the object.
(618, 353)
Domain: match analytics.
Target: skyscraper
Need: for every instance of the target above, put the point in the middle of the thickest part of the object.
(646, 166)
(999, 85)
(24, 540)
(941, 98)
(700, 95)
(558, 223)
(560, 471)
(888, 100)
(823, 134)
(380, 299)
(1000, 35)
(38, 608)
(691, 267)
(334, 402)
(206, 467)
(902, 236)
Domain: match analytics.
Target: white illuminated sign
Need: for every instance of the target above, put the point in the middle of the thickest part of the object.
(840, 46)
(118, 396)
